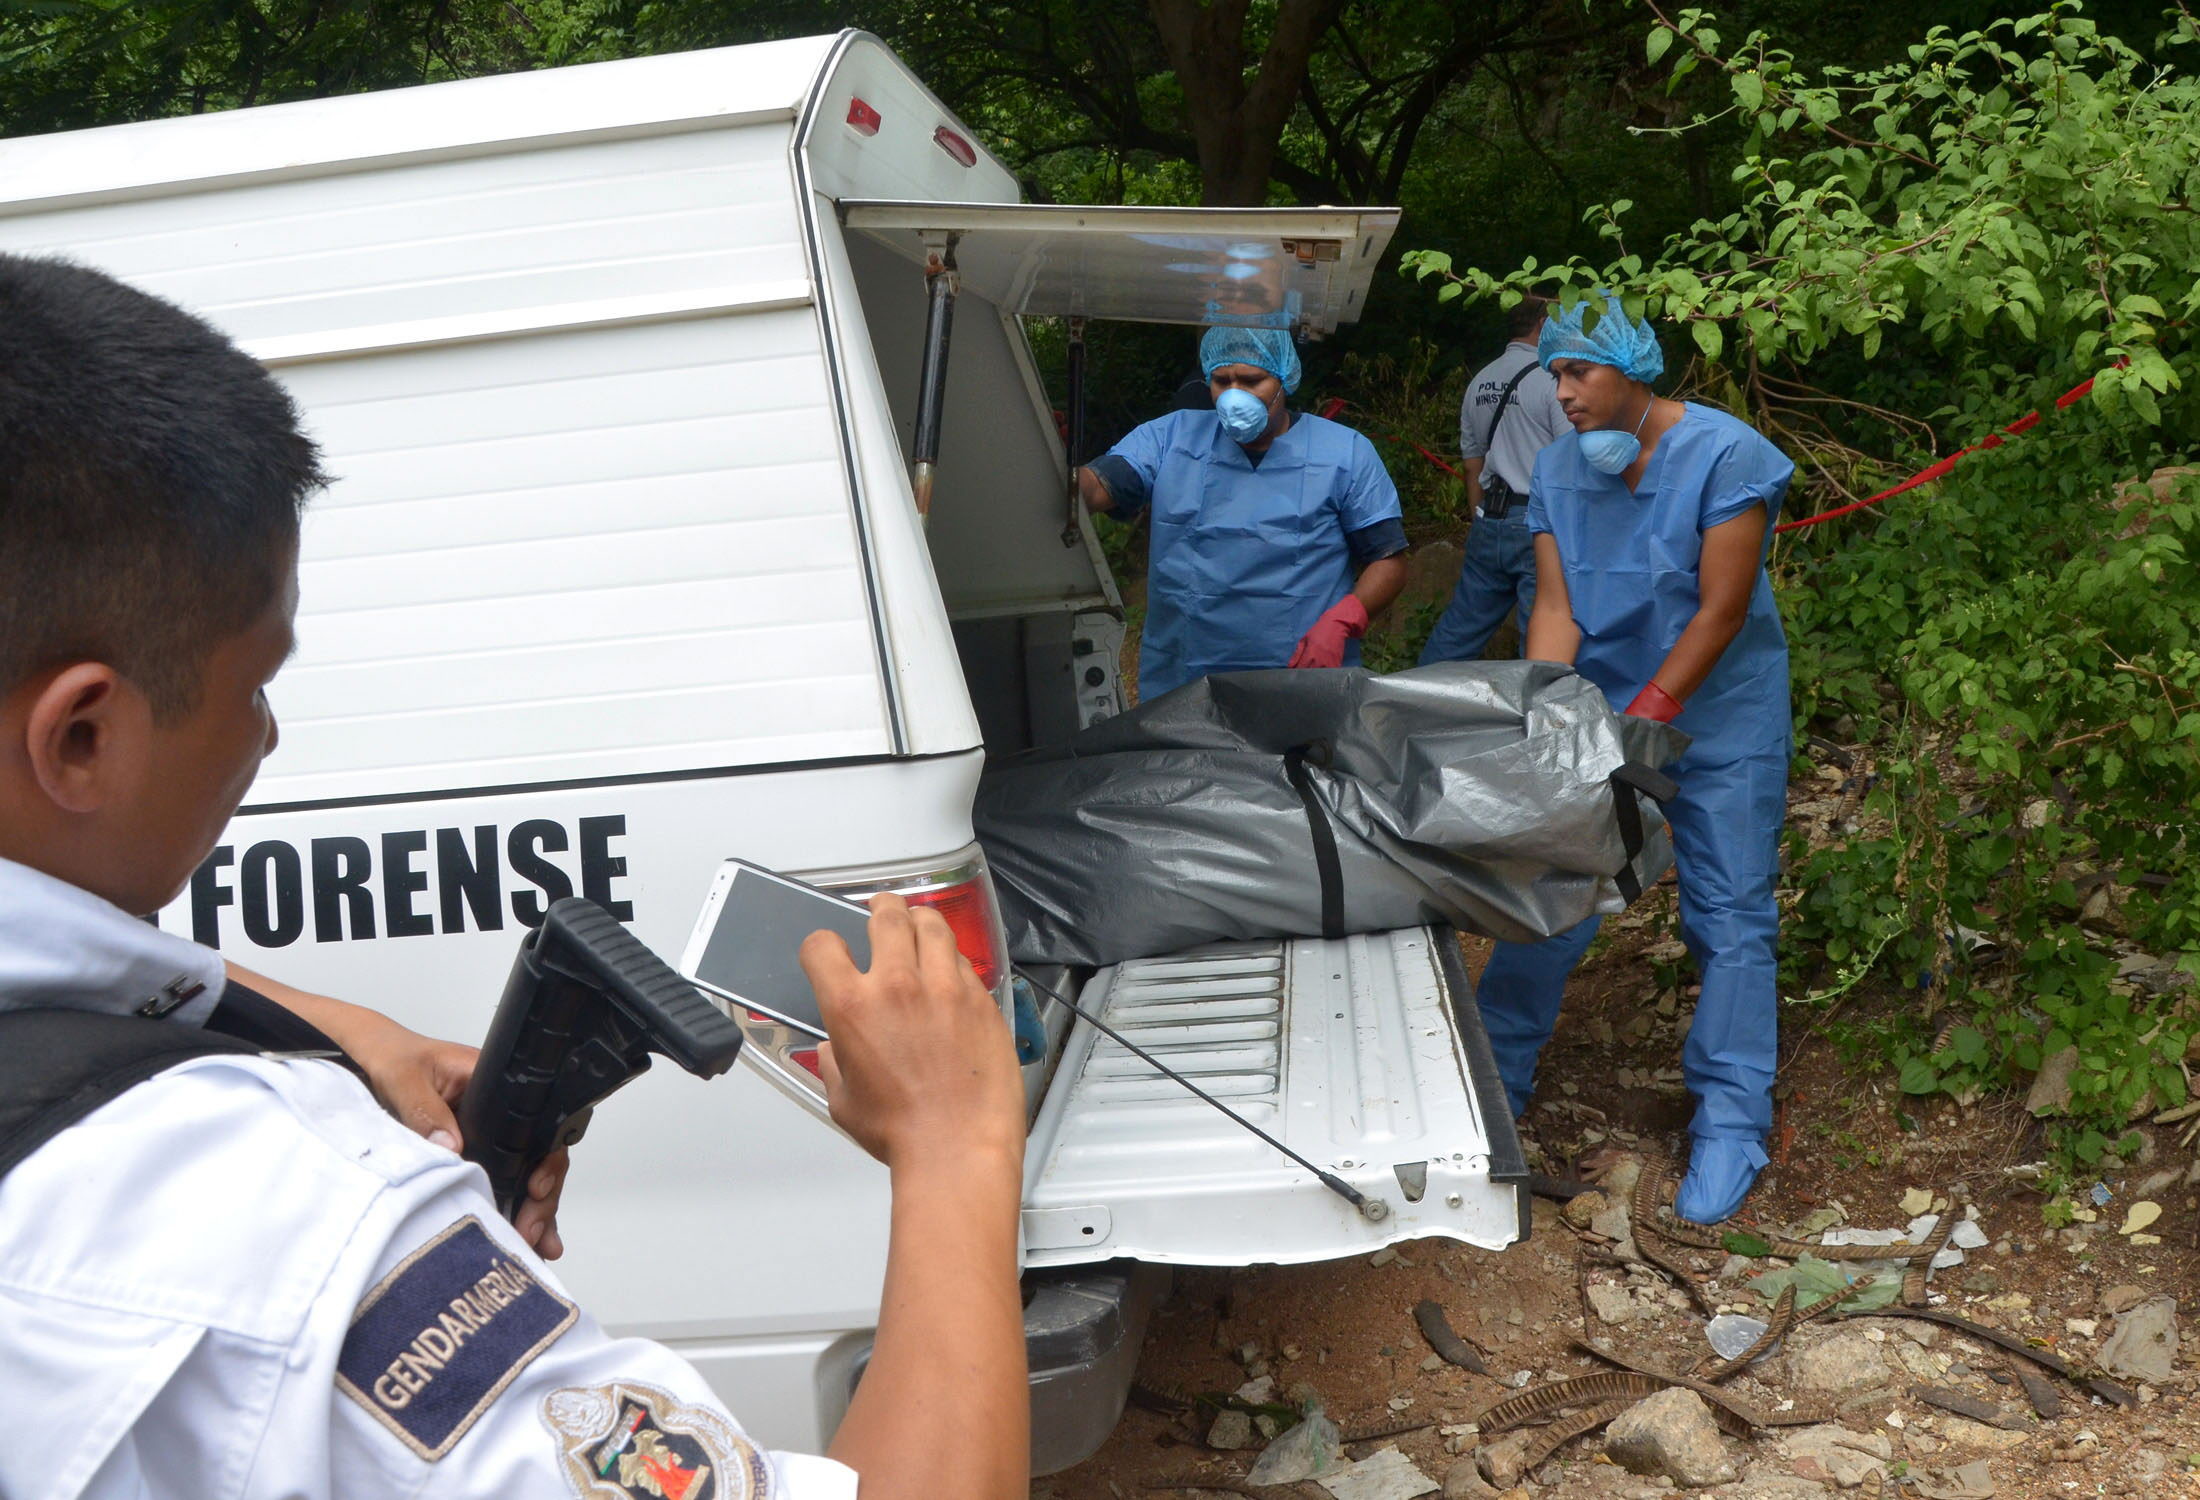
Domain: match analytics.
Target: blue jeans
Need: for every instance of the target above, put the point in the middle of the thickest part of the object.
(1497, 577)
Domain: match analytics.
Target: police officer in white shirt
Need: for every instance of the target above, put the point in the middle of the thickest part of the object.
(241, 1277)
(1510, 412)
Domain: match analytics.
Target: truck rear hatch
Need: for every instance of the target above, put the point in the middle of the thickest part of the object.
(1364, 1055)
(1306, 269)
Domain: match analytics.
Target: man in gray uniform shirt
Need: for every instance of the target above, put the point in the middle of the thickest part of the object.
(1510, 412)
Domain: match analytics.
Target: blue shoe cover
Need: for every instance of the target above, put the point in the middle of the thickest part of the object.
(1720, 1174)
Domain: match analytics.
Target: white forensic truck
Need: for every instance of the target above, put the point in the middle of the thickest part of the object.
(697, 498)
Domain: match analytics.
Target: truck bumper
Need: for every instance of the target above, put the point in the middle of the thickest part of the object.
(1083, 1327)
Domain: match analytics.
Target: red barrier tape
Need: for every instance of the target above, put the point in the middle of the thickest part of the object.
(1336, 405)
(1432, 458)
(1928, 475)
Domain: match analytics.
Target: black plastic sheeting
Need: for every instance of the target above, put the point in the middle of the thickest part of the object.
(1320, 803)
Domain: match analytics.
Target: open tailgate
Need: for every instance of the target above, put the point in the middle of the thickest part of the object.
(1307, 269)
(1365, 1055)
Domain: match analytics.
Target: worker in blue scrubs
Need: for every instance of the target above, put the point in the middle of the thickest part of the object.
(1651, 525)
(1276, 534)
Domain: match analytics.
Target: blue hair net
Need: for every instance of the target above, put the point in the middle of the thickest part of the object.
(1625, 343)
(1269, 349)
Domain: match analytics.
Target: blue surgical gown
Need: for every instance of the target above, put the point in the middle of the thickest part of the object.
(1631, 561)
(1244, 558)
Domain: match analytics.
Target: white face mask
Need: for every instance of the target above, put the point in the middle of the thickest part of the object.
(1610, 451)
(1244, 415)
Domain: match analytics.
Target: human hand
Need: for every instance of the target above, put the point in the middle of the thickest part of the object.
(921, 1064)
(419, 1080)
(1323, 644)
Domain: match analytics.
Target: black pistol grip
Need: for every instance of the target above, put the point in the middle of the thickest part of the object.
(586, 1004)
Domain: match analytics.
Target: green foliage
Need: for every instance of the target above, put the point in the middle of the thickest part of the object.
(67, 63)
(1395, 643)
(1408, 406)
(1999, 218)
(2007, 199)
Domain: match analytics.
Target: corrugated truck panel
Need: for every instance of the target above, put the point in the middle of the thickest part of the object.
(620, 551)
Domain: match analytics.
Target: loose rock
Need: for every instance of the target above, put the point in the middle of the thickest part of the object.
(1500, 1462)
(1965, 1433)
(1833, 1453)
(1466, 1483)
(2050, 1093)
(1582, 1211)
(1232, 1430)
(1615, 1223)
(1768, 1485)
(1617, 1182)
(2144, 1345)
(2159, 1182)
(1670, 1433)
(1845, 1362)
(1613, 1302)
(1921, 1363)
(1463, 1481)
(2122, 1298)
(1973, 1481)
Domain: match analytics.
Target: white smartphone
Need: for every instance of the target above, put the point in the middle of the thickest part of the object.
(756, 921)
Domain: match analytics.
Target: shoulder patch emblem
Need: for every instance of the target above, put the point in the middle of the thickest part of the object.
(439, 1338)
(628, 1441)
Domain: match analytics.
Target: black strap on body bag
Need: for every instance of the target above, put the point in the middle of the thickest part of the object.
(1630, 782)
(1328, 868)
(57, 1066)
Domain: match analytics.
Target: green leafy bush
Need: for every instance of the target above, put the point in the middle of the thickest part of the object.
(1968, 236)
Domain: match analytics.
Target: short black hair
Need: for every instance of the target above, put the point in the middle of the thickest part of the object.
(151, 479)
(1527, 315)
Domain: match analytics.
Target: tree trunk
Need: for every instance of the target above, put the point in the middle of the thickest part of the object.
(1236, 121)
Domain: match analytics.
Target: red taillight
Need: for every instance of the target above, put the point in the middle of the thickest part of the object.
(969, 913)
(954, 145)
(863, 119)
(956, 886)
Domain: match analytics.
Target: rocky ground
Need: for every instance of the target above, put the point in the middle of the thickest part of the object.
(1869, 1404)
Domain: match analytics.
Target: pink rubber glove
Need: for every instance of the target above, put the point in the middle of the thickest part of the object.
(1654, 702)
(1323, 645)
